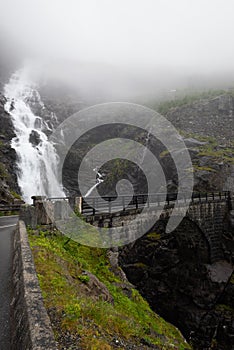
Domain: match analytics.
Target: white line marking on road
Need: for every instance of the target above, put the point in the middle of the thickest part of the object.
(6, 226)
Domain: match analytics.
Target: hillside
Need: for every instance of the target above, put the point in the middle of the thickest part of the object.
(90, 302)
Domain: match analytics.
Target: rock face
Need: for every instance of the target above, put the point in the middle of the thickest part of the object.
(8, 179)
(174, 273)
(213, 117)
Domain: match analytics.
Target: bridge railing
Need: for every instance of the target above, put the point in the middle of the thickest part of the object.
(109, 204)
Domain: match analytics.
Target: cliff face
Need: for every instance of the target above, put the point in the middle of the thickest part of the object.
(213, 117)
(8, 180)
(175, 275)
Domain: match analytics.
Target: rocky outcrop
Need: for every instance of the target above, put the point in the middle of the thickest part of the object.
(175, 274)
(8, 180)
(213, 117)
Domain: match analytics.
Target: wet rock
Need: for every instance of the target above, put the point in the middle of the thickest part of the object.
(8, 169)
(34, 138)
(173, 272)
(94, 288)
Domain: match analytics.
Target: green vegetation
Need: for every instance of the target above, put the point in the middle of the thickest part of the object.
(15, 195)
(211, 149)
(8, 213)
(81, 310)
(224, 308)
(153, 236)
(3, 172)
(186, 98)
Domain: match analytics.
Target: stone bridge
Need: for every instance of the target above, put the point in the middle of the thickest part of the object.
(209, 212)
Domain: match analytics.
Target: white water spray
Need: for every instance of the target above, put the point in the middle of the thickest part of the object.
(37, 158)
(98, 182)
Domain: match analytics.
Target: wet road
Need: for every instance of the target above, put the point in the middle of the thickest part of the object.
(7, 227)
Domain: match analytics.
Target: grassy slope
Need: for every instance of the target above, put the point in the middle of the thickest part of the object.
(186, 98)
(124, 322)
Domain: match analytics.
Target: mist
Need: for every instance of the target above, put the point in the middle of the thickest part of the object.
(125, 47)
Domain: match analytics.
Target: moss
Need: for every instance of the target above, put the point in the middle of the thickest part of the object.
(153, 236)
(3, 172)
(84, 279)
(203, 168)
(15, 195)
(232, 279)
(164, 154)
(60, 263)
(211, 149)
(224, 308)
(140, 265)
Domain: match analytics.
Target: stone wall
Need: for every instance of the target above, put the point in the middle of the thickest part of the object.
(31, 324)
(210, 217)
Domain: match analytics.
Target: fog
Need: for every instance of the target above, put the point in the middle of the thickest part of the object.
(131, 44)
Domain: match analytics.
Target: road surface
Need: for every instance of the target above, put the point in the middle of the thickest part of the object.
(7, 227)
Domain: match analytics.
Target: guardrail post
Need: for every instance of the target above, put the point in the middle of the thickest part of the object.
(79, 204)
(136, 200)
(229, 200)
(93, 205)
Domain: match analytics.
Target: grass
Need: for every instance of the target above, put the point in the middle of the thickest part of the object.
(61, 267)
(165, 106)
(211, 149)
(15, 195)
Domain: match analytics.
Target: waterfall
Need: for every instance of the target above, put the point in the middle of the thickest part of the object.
(36, 157)
(98, 182)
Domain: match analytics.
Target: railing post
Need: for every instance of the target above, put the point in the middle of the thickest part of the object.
(229, 200)
(79, 204)
(136, 202)
(109, 200)
(93, 205)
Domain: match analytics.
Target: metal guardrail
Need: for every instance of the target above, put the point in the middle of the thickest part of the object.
(92, 205)
(10, 207)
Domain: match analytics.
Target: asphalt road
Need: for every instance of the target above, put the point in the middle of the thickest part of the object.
(7, 227)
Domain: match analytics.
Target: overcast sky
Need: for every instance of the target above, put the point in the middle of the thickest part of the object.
(181, 35)
(197, 33)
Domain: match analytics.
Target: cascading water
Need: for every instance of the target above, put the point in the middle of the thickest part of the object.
(37, 158)
(98, 182)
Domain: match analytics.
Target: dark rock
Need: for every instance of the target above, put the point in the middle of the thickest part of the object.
(8, 169)
(34, 138)
(173, 272)
(213, 117)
